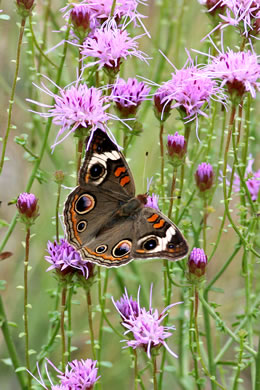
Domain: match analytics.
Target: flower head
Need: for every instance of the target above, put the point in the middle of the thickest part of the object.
(162, 102)
(126, 306)
(197, 262)
(128, 95)
(244, 14)
(80, 374)
(110, 45)
(25, 7)
(238, 71)
(144, 327)
(76, 106)
(204, 176)
(27, 207)
(152, 201)
(65, 259)
(177, 146)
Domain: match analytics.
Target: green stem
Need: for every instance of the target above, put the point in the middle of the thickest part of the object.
(162, 157)
(172, 191)
(26, 330)
(113, 9)
(11, 346)
(44, 146)
(178, 32)
(155, 387)
(79, 156)
(205, 217)
(69, 333)
(191, 344)
(11, 101)
(102, 302)
(57, 212)
(90, 323)
(136, 368)
(239, 363)
(62, 326)
(257, 364)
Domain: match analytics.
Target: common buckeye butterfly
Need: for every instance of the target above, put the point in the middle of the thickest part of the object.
(104, 219)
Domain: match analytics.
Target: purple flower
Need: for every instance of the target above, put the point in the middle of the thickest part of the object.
(238, 71)
(244, 14)
(162, 102)
(128, 95)
(252, 181)
(144, 327)
(76, 106)
(212, 5)
(152, 201)
(110, 45)
(177, 146)
(80, 374)
(27, 207)
(65, 259)
(127, 307)
(197, 262)
(204, 176)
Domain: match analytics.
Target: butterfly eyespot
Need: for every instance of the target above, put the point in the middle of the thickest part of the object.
(96, 171)
(170, 246)
(101, 249)
(122, 248)
(81, 226)
(84, 204)
(150, 244)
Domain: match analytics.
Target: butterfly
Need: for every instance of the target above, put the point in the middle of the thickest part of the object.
(106, 223)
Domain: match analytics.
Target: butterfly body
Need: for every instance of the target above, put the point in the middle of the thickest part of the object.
(104, 219)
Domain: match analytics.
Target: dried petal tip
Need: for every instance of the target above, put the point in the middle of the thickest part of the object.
(204, 176)
(24, 7)
(197, 262)
(177, 146)
(27, 207)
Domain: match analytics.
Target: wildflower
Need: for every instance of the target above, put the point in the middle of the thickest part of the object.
(65, 259)
(197, 262)
(213, 6)
(238, 71)
(27, 207)
(244, 14)
(144, 327)
(110, 45)
(127, 306)
(162, 102)
(128, 95)
(177, 147)
(76, 106)
(79, 375)
(152, 201)
(204, 176)
(252, 181)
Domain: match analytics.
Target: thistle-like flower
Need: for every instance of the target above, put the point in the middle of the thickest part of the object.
(65, 259)
(76, 106)
(144, 327)
(238, 71)
(128, 96)
(127, 306)
(78, 375)
(204, 176)
(109, 46)
(27, 205)
(197, 262)
(152, 201)
(177, 147)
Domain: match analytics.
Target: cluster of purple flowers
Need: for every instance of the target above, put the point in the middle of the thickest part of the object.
(144, 327)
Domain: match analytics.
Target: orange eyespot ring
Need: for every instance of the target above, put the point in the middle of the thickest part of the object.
(122, 248)
(84, 204)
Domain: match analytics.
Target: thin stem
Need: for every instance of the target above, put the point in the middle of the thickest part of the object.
(191, 345)
(69, 333)
(79, 156)
(172, 191)
(26, 330)
(162, 157)
(205, 217)
(113, 9)
(62, 325)
(136, 368)
(90, 323)
(11, 346)
(11, 101)
(257, 364)
(239, 363)
(155, 387)
(57, 212)
(102, 302)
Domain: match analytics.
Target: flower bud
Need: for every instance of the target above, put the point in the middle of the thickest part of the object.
(197, 262)
(24, 7)
(177, 147)
(80, 18)
(27, 207)
(204, 176)
(59, 177)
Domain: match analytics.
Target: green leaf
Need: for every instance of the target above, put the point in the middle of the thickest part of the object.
(2, 284)
(3, 223)
(7, 361)
(19, 369)
(106, 364)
